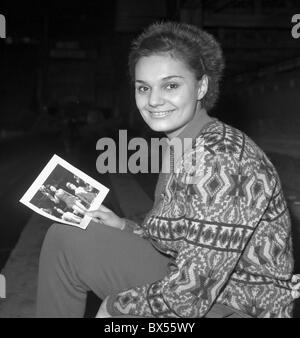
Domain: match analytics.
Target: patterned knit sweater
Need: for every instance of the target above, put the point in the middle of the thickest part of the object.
(226, 225)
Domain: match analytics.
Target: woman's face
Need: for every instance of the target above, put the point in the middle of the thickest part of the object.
(166, 93)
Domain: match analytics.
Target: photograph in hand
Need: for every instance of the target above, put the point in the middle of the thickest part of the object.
(64, 194)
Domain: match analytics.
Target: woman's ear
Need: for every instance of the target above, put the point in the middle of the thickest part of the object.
(203, 86)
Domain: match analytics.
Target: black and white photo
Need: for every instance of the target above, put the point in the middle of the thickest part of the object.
(64, 194)
(150, 161)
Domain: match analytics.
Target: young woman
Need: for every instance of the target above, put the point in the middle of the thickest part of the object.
(217, 242)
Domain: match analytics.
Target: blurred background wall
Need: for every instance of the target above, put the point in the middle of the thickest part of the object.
(62, 51)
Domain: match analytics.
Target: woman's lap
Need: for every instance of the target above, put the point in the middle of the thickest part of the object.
(108, 260)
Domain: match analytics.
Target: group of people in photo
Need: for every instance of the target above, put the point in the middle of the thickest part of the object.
(68, 201)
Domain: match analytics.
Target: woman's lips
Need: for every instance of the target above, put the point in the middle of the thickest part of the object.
(161, 114)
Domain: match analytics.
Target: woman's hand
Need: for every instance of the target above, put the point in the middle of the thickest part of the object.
(107, 217)
(102, 312)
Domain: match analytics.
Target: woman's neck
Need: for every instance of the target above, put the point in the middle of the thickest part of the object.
(200, 117)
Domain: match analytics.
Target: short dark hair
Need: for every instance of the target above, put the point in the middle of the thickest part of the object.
(198, 49)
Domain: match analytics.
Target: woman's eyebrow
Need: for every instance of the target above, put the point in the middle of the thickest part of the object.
(171, 77)
(141, 81)
(163, 79)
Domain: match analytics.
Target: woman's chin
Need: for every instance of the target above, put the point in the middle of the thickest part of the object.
(159, 129)
(166, 129)
(159, 126)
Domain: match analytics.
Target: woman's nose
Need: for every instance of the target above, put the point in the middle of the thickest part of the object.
(155, 98)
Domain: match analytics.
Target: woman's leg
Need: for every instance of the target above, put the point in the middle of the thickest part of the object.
(100, 258)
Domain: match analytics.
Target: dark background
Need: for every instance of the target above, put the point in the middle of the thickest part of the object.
(64, 84)
(59, 52)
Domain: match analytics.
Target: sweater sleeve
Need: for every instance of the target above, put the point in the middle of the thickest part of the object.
(224, 203)
(135, 228)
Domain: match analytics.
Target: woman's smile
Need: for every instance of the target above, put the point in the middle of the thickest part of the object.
(160, 114)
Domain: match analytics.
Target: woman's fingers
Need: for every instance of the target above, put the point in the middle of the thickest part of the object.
(101, 209)
(95, 213)
(107, 217)
(96, 216)
(79, 210)
(97, 220)
(80, 206)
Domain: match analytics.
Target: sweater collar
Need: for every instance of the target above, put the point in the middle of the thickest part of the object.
(191, 131)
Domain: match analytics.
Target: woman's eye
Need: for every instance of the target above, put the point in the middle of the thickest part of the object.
(142, 89)
(172, 86)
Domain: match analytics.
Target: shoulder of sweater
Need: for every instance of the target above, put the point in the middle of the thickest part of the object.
(222, 140)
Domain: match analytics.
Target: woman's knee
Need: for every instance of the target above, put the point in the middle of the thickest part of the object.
(60, 237)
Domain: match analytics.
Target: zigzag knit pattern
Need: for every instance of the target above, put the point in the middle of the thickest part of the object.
(225, 223)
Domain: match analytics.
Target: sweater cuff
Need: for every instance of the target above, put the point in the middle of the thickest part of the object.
(129, 226)
(111, 309)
